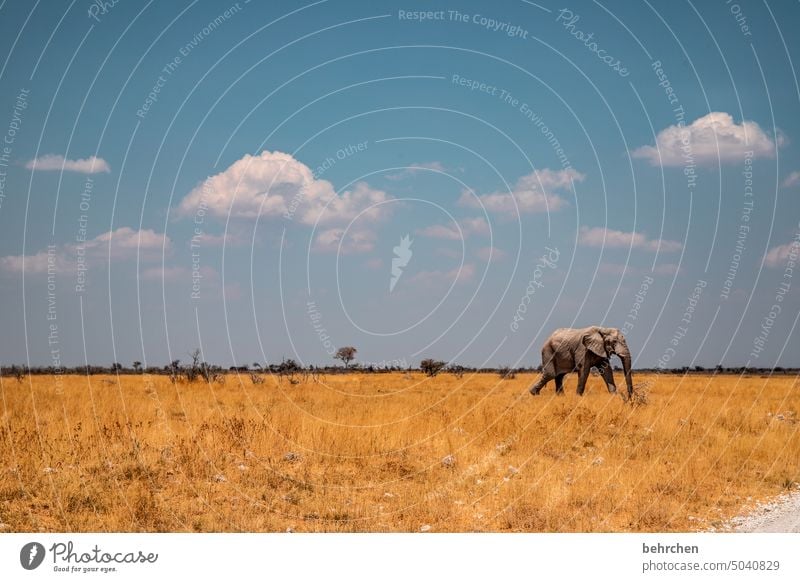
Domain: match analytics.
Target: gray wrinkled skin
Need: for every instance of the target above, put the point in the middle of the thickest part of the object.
(579, 350)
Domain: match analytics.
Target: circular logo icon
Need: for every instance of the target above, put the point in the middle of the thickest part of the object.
(31, 555)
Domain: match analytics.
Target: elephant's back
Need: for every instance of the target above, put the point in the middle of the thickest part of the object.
(566, 338)
(565, 334)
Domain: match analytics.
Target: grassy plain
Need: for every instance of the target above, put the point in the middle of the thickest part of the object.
(390, 452)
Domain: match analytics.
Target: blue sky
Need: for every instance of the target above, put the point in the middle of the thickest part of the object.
(238, 176)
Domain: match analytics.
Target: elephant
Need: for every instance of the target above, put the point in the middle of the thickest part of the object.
(568, 350)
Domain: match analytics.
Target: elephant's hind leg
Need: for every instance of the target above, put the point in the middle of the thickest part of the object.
(548, 370)
(560, 383)
(541, 383)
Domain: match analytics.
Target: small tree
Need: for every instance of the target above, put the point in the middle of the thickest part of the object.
(431, 367)
(174, 370)
(346, 354)
(116, 367)
(137, 366)
(194, 370)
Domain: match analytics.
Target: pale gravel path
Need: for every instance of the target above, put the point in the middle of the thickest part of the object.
(782, 515)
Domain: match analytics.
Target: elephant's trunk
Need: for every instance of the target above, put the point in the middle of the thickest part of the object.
(626, 368)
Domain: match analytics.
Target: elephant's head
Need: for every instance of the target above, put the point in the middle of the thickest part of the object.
(609, 341)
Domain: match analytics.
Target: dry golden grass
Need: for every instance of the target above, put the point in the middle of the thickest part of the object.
(394, 452)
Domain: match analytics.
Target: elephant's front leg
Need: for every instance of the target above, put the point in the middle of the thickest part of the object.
(583, 375)
(608, 376)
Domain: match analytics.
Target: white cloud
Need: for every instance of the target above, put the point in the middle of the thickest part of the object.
(533, 192)
(124, 243)
(707, 140)
(491, 254)
(228, 239)
(33, 264)
(355, 241)
(779, 256)
(793, 179)
(274, 184)
(57, 162)
(469, 227)
(599, 236)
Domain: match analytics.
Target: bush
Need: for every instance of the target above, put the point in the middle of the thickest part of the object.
(431, 367)
(507, 373)
(456, 370)
(641, 394)
(18, 372)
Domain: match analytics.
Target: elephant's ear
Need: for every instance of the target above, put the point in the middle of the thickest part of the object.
(594, 342)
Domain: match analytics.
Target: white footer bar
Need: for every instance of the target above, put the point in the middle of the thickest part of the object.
(401, 557)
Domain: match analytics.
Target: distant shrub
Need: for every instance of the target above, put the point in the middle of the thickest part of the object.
(507, 373)
(431, 367)
(174, 370)
(17, 372)
(456, 370)
(288, 368)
